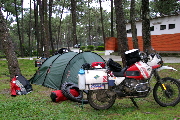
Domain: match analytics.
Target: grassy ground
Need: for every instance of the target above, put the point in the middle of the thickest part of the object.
(38, 105)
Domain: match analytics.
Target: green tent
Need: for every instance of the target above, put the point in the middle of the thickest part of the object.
(63, 68)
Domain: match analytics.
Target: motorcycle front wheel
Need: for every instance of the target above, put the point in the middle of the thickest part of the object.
(170, 96)
(101, 99)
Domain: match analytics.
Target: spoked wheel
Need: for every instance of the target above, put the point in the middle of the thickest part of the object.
(170, 96)
(101, 99)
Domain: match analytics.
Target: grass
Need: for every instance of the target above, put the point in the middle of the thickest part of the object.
(99, 52)
(38, 105)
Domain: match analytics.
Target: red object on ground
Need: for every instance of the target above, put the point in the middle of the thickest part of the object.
(58, 96)
(14, 87)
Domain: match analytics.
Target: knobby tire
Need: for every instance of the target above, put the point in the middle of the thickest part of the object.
(100, 99)
(170, 96)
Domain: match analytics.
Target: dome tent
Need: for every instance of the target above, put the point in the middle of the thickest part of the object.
(59, 69)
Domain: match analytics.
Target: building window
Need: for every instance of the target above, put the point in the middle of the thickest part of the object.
(152, 28)
(171, 26)
(162, 27)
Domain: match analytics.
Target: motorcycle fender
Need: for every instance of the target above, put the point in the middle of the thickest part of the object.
(166, 67)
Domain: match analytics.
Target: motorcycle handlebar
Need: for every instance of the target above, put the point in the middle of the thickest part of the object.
(144, 56)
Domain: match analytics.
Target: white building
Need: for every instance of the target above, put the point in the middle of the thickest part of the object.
(165, 35)
(159, 26)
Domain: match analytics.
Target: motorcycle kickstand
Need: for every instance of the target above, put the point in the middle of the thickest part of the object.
(134, 102)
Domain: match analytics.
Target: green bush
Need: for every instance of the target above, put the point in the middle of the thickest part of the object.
(34, 53)
(90, 47)
(82, 48)
(2, 56)
(51, 52)
(87, 50)
(169, 54)
(100, 48)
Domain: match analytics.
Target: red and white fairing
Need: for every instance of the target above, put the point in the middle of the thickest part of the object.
(139, 71)
(145, 69)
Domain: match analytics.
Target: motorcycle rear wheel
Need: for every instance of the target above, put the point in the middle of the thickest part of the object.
(101, 99)
(170, 96)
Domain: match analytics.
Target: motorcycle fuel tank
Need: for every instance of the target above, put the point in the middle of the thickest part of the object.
(139, 71)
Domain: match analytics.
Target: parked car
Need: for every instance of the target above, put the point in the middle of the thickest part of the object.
(61, 51)
(40, 61)
(77, 46)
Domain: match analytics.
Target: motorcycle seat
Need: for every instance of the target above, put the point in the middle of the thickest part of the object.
(121, 73)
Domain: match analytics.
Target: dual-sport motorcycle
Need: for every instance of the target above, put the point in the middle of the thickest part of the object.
(105, 84)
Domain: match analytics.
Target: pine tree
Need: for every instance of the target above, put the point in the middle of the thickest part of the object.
(8, 48)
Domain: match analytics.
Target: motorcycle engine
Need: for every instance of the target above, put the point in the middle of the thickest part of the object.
(136, 86)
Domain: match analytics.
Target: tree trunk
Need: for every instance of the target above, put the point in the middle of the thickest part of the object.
(22, 29)
(146, 25)
(133, 25)
(18, 26)
(89, 25)
(73, 11)
(59, 27)
(36, 26)
(46, 31)
(8, 48)
(41, 12)
(121, 30)
(50, 27)
(104, 37)
(112, 19)
(42, 39)
(30, 33)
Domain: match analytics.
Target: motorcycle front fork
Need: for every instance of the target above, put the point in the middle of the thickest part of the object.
(159, 80)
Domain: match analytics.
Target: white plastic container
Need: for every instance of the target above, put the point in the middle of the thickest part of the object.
(81, 79)
(96, 79)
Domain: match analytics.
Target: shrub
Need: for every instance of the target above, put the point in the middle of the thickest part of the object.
(2, 56)
(100, 48)
(82, 48)
(34, 53)
(90, 47)
(87, 50)
(51, 52)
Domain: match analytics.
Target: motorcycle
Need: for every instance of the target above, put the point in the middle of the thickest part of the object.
(135, 80)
